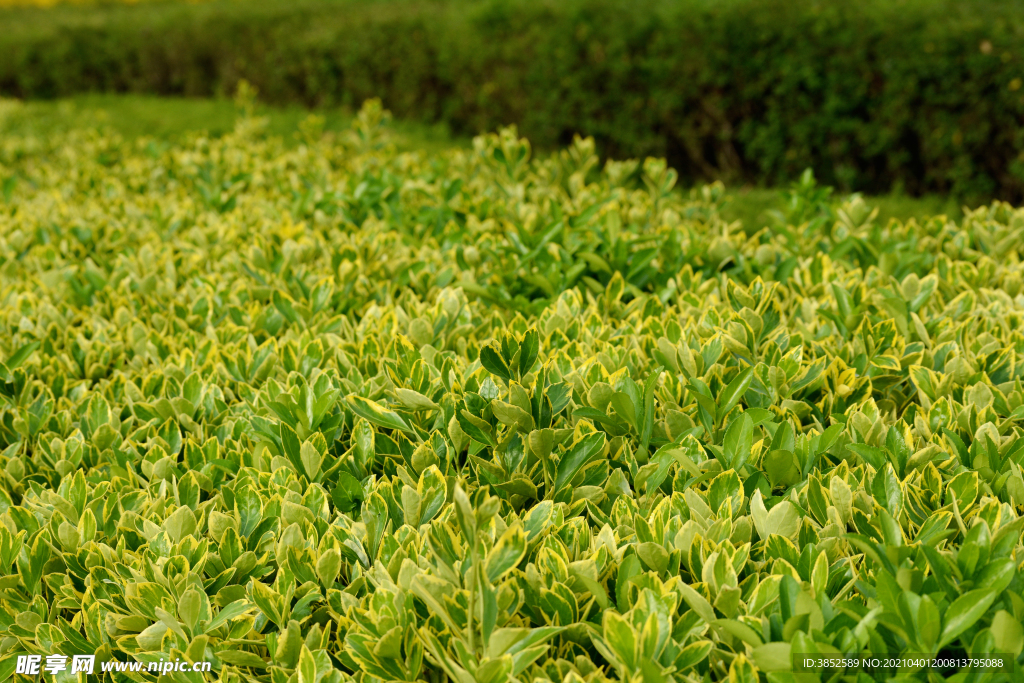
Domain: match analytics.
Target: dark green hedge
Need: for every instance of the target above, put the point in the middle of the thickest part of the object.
(921, 94)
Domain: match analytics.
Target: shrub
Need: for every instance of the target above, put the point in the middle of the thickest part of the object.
(923, 95)
(331, 412)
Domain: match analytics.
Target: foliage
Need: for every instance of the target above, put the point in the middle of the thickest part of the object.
(917, 95)
(332, 412)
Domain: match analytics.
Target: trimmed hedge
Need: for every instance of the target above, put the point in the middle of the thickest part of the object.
(925, 95)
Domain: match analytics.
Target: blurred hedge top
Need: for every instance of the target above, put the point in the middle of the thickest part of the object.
(7, 4)
(925, 95)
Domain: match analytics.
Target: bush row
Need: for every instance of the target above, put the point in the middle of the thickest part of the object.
(924, 95)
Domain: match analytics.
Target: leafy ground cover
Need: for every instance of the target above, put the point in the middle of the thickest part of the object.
(170, 119)
(331, 410)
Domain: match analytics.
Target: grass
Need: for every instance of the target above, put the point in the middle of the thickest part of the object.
(134, 116)
(170, 118)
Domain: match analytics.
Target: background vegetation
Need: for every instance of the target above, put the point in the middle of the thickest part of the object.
(916, 95)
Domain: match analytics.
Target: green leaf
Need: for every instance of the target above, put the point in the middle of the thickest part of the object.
(30, 564)
(228, 613)
(311, 459)
(21, 355)
(414, 400)
(181, 523)
(432, 489)
(8, 666)
(697, 602)
(573, 460)
(506, 553)
(782, 520)
(7, 191)
(494, 670)
(621, 639)
(465, 515)
(935, 528)
(731, 395)
(291, 445)
(475, 427)
(964, 487)
(363, 446)
(488, 609)
(887, 490)
(528, 351)
(693, 654)
(512, 416)
(514, 640)
(625, 408)
(738, 442)
(782, 468)
(241, 658)
(964, 613)
(377, 414)
(249, 509)
(375, 517)
(347, 495)
(898, 450)
(647, 419)
(1008, 633)
(829, 437)
(306, 669)
(491, 359)
(742, 671)
(328, 567)
(283, 303)
(773, 657)
(958, 443)
(654, 556)
(520, 486)
(629, 568)
(739, 630)
(268, 602)
(190, 607)
(869, 454)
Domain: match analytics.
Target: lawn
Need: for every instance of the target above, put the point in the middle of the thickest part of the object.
(171, 118)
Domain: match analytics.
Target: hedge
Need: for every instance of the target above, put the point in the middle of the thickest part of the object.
(923, 95)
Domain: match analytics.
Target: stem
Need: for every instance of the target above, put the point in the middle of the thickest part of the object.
(548, 484)
(472, 595)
